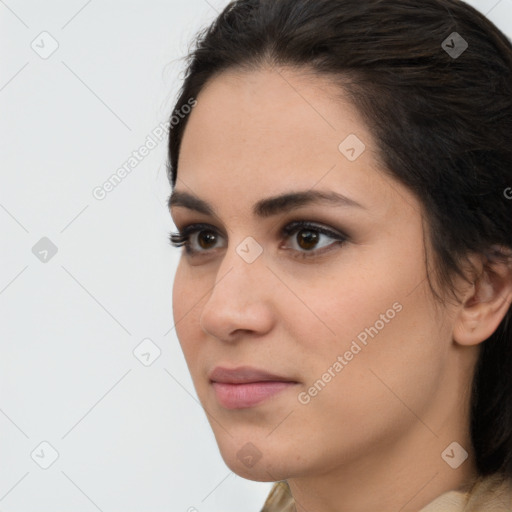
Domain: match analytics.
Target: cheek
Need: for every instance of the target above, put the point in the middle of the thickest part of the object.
(188, 289)
(186, 299)
(381, 322)
(179, 297)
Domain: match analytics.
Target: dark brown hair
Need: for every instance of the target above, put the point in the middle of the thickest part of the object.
(442, 122)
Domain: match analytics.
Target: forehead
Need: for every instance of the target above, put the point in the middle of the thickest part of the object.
(273, 107)
(259, 132)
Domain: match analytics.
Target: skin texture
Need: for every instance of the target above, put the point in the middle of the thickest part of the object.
(372, 438)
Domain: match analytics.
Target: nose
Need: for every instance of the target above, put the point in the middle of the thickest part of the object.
(240, 301)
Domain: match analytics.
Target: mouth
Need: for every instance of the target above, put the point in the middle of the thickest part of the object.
(242, 396)
(245, 386)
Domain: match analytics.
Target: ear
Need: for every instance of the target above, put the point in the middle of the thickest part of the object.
(486, 302)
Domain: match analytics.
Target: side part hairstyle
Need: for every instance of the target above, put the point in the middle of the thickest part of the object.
(442, 123)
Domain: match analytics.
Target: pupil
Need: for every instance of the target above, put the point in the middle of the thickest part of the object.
(309, 238)
(209, 235)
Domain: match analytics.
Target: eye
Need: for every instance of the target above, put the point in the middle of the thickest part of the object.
(201, 238)
(307, 237)
(206, 236)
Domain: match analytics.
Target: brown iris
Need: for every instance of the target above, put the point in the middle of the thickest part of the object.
(208, 236)
(309, 238)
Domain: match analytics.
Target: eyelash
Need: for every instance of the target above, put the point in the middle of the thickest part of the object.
(182, 238)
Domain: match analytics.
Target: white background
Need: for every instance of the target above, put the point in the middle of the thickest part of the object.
(129, 437)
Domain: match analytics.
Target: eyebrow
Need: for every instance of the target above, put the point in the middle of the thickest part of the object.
(270, 206)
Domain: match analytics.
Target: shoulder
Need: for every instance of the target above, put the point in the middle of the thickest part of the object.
(493, 492)
(279, 499)
(484, 493)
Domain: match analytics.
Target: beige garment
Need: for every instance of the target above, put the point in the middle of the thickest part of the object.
(486, 494)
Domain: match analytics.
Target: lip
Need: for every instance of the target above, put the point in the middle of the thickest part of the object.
(242, 396)
(245, 386)
(244, 375)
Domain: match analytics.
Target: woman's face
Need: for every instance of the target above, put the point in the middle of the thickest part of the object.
(353, 324)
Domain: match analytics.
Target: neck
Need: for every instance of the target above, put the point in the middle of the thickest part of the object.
(404, 477)
(404, 470)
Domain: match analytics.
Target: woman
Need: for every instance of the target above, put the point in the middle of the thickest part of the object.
(342, 189)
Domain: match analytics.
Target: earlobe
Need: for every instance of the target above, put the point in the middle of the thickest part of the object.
(469, 328)
(485, 305)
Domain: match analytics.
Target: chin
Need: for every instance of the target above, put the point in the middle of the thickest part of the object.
(255, 462)
(261, 471)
